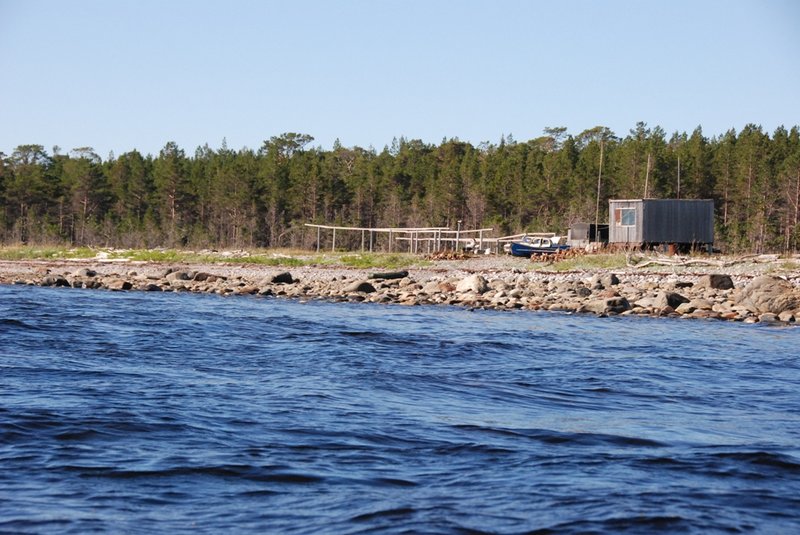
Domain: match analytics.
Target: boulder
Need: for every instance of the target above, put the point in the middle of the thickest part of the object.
(583, 291)
(54, 280)
(431, 287)
(246, 290)
(474, 283)
(85, 272)
(118, 284)
(768, 294)
(702, 304)
(283, 278)
(178, 276)
(716, 281)
(669, 299)
(768, 317)
(605, 280)
(359, 286)
(615, 305)
(390, 275)
(202, 276)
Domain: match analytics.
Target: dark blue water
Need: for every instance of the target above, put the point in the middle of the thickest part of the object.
(142, 413)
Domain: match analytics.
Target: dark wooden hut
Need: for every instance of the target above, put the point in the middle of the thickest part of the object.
(685, 223)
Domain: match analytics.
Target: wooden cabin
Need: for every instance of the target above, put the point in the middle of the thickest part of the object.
(684, 223)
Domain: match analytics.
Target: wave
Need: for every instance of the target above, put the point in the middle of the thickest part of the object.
(15, 323)
(246, 472)
(548, 436)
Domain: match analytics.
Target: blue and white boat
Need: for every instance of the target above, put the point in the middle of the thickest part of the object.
(528, 246)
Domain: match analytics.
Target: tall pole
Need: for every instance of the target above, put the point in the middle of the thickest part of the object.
(599, 178)
(679, 177)
(647, 176)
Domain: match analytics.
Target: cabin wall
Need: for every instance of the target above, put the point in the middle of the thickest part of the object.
(640, 221)
(625, 222)
(678, 221)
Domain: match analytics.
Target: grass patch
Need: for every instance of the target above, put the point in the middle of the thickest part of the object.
(587, 262)
(269, 260)
(790, 265)
(150, 255)
(265, 257)
(377, 260)
(25, 252)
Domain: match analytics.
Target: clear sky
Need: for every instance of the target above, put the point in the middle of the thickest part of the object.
(119, 75)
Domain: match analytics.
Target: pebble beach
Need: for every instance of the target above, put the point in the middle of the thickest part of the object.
(755, 290)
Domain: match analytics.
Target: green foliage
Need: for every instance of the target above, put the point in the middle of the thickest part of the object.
(260, 198)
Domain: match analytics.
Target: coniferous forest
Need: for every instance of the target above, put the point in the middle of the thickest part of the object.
(262, 198)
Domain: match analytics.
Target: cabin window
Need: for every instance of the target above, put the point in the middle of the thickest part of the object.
(625, 217)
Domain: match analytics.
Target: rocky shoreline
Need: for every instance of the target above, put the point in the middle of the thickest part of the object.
(749, 298)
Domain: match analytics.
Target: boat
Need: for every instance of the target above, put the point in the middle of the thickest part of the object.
(528, 246)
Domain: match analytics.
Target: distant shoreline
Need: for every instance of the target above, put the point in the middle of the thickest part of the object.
(491, 282)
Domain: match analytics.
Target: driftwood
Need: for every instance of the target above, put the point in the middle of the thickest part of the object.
(683, 262)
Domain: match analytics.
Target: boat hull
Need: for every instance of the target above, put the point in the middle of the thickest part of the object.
(527, 250)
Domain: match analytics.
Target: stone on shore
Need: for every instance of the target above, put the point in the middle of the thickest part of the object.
(474, 283)
(283, 278)
(118, 284)
(715, 281)
(768, 294)
(669, 299)
(389, 275)
(54, 280)
(610, 305)
(359, 286)
(604, 281)
(178, 276)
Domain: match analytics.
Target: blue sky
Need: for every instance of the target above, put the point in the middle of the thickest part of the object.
(119, 75)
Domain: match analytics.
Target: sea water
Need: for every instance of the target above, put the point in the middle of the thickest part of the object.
(142, 413)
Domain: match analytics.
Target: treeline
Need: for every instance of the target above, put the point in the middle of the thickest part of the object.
(262, 198)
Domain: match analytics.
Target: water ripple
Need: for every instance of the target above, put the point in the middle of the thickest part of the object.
(123, 412)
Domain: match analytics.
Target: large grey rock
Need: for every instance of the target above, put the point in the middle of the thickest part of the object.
(118, 284)
(202, 276)
(603, 281)
(85, 272)
(474, 283)
(359, 286)
(54, 280)
(768, 294)
(616, 305)
(178, 276)
(716, 281)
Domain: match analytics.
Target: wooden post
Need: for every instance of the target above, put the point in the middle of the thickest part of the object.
(333, 243)
(480, 239)
(599, 178)
(362, 240)
(390, 240)
(370, 241)
(318, 232)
